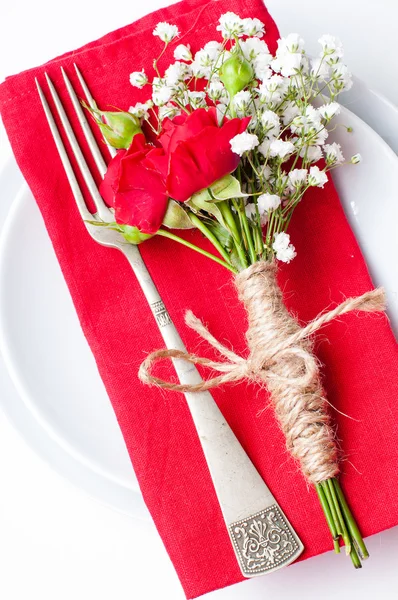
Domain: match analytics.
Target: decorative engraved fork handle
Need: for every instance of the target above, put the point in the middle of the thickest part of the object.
(262, 537)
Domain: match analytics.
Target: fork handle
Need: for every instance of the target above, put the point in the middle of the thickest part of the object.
(246, 502)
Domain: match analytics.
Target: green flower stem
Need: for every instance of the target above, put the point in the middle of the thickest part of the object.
(209, 235)
(231, 224)
(343, 528)
(355, 558)
(328, 515)
(180, 240)
(350, 521)
(246, 228)
(332, 508)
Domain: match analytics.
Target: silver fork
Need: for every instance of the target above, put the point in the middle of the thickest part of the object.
(262, 537)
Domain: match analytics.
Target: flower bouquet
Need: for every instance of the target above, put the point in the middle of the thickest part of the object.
(228, 142)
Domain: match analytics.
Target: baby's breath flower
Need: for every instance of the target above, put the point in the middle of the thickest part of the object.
(169, 110)
(242, 101)
(183, 52)
(254, 47)
(290, 111)
(253, 27)
(356, 159)
(341, 78)
(261, 67)
(250, 210)
(140, 109)
(197, 99)
(231, 25)
(311, 153)
(166, 32)
(138, 79)
(331, 45)
(267, 202)
(291, 43)
(161, 94)
(317, 177)
(297, 177)
(271, 123)
(264, 147)
(243, 142)
(328, 111)
(176, 73)
(216, 91)
(320, 68)
(333, 153)
(284, 250)
(281, 148)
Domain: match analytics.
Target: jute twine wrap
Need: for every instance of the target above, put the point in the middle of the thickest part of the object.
(281, 357)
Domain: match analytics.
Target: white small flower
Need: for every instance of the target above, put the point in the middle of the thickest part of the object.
(166, 32)
(267, 202)
(320, 68)
(183, 52)
(297, 177)
(333, 153)
(291, 43)
(242, 101)
(197, 99)
(317, 177)
(331, 45)
(264, 147)
(328, 111)
(266, 171)
(176, 73)
(284, 250)
(243, 142)
(216, 91)
(161, 95)
(356, 159)
(287, 254)
(281, 148)
(138, 79)
(140, 110)
(253, 27)
(341, 78)
(213, 49)
(231, 25)
(169, 110)
(287, 64)
(290, 111)
(250, 211)
(221, 112)
(271, 123)
(254, 47)
(261, 67)
(311, 153)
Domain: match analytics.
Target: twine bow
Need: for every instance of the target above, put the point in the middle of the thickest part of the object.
(254, 367)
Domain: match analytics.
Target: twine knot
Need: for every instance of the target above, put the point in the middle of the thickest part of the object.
(281, 356)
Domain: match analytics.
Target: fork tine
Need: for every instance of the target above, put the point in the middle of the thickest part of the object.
(91, 102)
(95, 151)
(102, 210)
(84, 212)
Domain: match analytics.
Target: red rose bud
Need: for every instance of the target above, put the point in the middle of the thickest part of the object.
(236, 73)
(117, 127)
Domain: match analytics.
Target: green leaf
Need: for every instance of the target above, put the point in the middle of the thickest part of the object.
(176, 217)
(226, 188)
(132, 234)
(222, 234)
(203, 201)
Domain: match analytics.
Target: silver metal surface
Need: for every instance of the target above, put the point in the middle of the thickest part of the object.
(261, 535)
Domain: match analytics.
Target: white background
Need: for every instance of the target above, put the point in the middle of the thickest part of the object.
(54, 541)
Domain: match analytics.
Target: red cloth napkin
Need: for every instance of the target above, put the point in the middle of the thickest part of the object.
(358, 351)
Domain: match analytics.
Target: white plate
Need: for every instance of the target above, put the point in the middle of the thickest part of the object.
(48, 356)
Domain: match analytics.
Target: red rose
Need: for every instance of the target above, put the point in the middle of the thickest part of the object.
(195, 152)
(198, 151)
(135, 188)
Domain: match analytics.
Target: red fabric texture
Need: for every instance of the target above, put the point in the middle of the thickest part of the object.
(359, 352)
